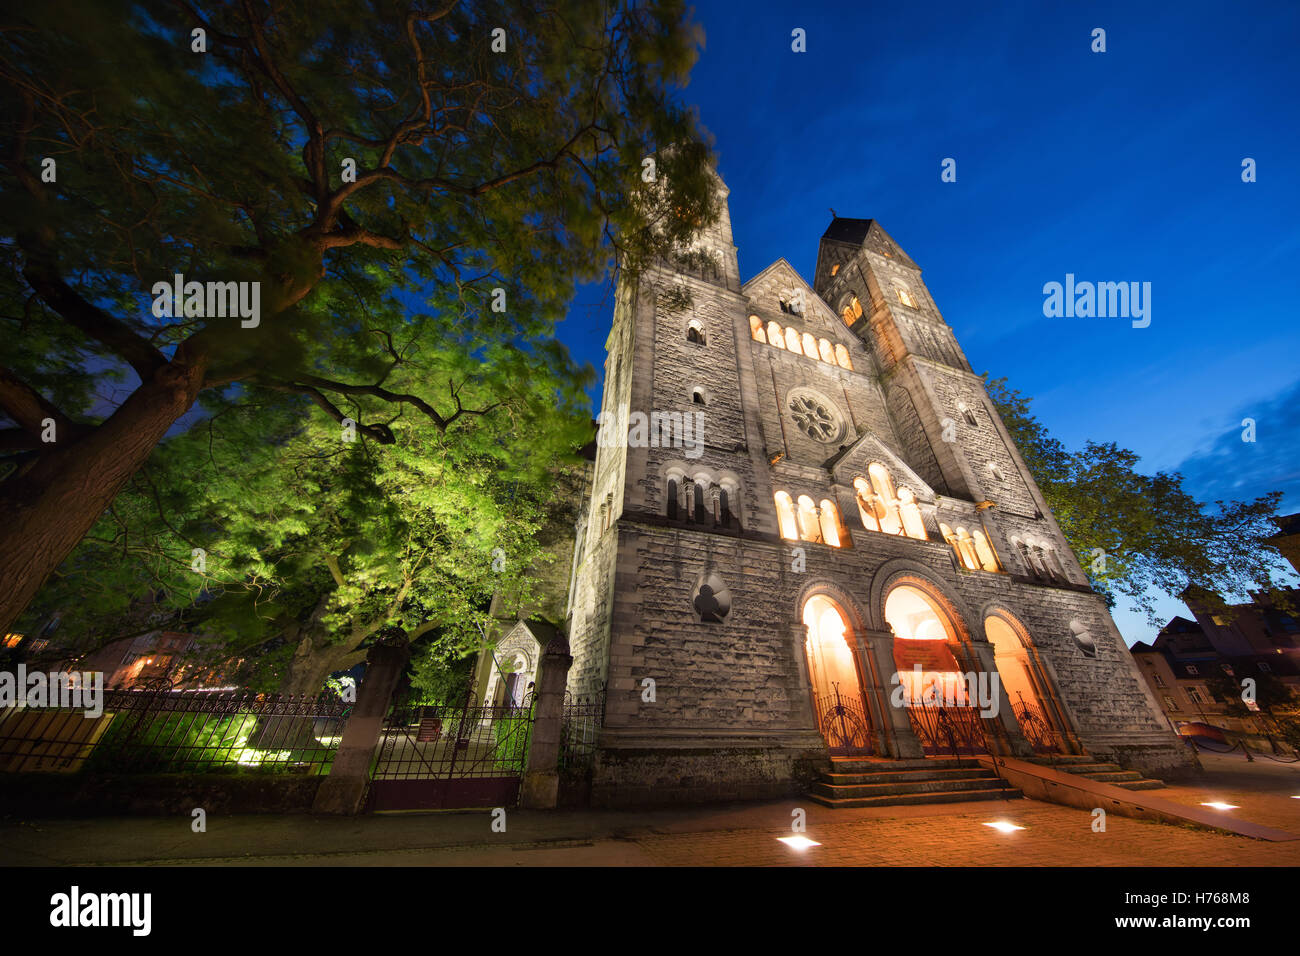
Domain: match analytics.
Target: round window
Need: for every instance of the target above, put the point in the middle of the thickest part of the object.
(815, 416)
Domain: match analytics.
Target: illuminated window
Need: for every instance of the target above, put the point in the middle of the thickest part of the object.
(785, 517)
(695, 333)
(830, 523)
(835, 269)
(792, 341)
(756, 329)
(869, 506)
(851, 310)
(1170, 703)
(966, 550)
(883, 486)
(809, 345)
(826, 351)
(984, 551)
(905, 297)
(809, 525)
(842, 358)
(774, 335)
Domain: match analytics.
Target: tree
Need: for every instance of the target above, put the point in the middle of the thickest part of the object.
(309, 157)
(268, 525)
(1135, 534)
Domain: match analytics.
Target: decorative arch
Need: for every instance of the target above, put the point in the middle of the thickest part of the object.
(1034, 700)
(898, 571)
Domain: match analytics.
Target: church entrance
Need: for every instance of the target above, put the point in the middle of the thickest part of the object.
(1020, 677)
(842, 715)
(933, 688)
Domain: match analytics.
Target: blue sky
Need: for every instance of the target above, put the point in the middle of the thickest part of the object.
(1115, 166)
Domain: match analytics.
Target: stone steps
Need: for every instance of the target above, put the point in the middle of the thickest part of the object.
(882, 783)
(1084, 765)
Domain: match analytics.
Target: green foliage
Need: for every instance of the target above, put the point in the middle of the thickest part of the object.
(488, 184)
(1154, 536)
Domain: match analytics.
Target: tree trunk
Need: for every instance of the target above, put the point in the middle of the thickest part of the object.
(45, 512)
(313, 662)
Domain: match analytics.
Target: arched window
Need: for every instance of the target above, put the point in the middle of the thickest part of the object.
(672, 498)
(869, 506)
(809, 345)
(904, 296)
(851, 310)
(756, 329)
(702, 514)
(913, 526)
(984, 551)
(830, 523)
(826, 351)
(967, 414)
(923, 634)
(835, 269)
(792, 341)
(996, 472)
(809, 528)
(785, 517)
(890, 521)
(966, 550)
(724, 507)
(774, 335)
(842, 358)
(697, 397)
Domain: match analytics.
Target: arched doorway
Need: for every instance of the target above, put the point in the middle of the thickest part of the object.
(836, 689)
(1020, 678)
(930, 681)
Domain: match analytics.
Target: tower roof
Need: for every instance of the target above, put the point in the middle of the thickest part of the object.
(848, 230)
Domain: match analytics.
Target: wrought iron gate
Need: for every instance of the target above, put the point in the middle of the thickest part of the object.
(843, 721)
(442, 756)
(948, 729)
(1036, 728)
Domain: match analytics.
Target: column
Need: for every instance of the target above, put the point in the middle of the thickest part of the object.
(541, 784)
(905, 745)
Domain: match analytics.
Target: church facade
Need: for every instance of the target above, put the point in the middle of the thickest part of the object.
(808, 534)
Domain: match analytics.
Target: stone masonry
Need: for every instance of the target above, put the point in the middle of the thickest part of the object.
(713, 701)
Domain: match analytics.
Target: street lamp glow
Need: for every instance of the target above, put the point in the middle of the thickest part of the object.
(798, 842)
(1002, 826)
(1218, 805)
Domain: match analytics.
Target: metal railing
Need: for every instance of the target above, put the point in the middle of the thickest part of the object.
(159, 730)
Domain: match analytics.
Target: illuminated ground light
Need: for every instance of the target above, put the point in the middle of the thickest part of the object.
(798, 842)
(1220, 806)
(1002, 826)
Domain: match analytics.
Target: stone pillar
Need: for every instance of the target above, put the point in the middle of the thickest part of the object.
(873, 695)
(881, 647)
(540, 789)
(798, 641)
(1010, 737)
(344, 790)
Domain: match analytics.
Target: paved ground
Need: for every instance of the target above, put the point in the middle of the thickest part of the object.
(736, 835)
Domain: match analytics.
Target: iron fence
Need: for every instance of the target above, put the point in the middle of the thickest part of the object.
(579, 727)
(425, 741)
(843, 721)
(159, 730)
(947, 729)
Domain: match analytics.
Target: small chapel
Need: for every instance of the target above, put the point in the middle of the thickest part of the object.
(848, 560)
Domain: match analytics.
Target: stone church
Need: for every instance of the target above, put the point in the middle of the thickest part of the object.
(817, 540)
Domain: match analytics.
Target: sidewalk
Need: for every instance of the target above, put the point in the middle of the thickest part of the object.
(731, 835)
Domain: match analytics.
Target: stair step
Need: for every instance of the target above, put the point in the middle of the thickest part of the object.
(911, 799)
(905, 776)
(913, 787)
(849, 765)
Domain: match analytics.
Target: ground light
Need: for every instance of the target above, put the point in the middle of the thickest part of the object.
(798, 842)
(1002, 826)
(1220, 806)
